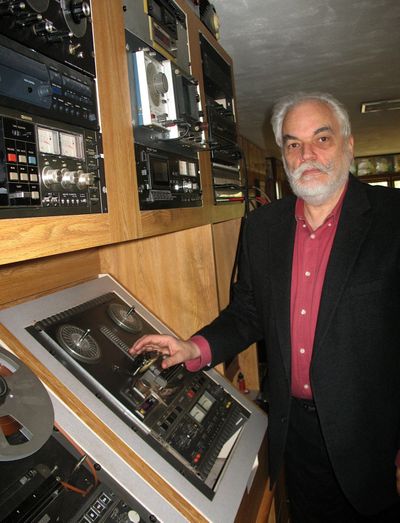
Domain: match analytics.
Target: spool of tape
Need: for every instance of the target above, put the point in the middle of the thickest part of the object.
(26, 411)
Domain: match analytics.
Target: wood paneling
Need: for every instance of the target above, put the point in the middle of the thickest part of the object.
(115, 111)
(29, 238)
(103, 431)
(20, 281)
(173, 275)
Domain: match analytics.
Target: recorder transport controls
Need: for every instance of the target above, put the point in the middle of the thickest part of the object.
(44, 475)
(187, 417)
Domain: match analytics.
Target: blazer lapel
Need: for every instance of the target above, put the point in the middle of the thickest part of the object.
(281, 249)
(353, 226)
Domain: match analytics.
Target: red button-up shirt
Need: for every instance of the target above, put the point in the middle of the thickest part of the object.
(312, 249)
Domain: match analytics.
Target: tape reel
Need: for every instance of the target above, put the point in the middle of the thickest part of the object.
(26, 411)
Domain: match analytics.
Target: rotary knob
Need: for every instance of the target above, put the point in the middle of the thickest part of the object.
(44, 90)
(84, 180)
(68, 178)
(43, 28)
(79, 10)
(51, 177)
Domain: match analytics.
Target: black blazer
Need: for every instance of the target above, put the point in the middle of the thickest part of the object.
(355, 368)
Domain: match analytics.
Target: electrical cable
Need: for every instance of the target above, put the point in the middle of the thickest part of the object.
(182, 136)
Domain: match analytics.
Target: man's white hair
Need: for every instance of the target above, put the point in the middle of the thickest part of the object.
(286, 103)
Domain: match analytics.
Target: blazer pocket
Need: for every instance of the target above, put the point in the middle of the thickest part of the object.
(368, 287)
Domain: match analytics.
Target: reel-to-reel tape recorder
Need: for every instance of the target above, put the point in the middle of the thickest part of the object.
(193, 430)
(188, 418)
(59, 29)
(44, 475)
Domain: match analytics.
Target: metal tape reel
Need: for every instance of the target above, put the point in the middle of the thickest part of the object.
(76, 14)
(25, 401)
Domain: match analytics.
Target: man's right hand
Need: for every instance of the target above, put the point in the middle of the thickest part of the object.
(173, 350)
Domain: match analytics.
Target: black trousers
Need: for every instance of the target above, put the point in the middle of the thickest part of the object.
(314, 493)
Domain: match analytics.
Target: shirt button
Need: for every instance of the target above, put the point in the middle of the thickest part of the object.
(329, 224)
(307, 273)
(306, 386)
(302, 351)
(312, 236)
(303, 312)
(304, 225)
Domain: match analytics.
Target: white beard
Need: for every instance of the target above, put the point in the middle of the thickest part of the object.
(318, 193)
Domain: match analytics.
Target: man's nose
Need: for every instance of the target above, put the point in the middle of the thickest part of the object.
(307, 152)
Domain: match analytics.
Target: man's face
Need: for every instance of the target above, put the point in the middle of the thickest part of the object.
(316, 156)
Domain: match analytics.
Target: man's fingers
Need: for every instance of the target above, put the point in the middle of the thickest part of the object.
(147, 343)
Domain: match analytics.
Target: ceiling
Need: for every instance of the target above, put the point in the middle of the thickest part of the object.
(350, 48)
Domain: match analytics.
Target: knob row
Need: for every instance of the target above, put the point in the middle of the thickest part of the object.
(66, 178)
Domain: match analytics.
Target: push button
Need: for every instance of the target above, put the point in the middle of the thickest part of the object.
(11, 157)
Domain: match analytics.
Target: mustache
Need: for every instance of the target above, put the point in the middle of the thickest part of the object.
(326, 168)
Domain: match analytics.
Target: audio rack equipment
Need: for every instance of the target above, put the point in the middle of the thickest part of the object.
(209, 17)
(59, 29)
(44, 476)
(161, 24)
(168, 129)
(48, 168)
(166, 180)
(51, 160)
(222, 132)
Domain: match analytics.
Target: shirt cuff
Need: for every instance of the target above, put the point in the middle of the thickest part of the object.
(205, 354)
(397, 462)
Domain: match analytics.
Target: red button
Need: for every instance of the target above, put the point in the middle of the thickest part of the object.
(11, 157)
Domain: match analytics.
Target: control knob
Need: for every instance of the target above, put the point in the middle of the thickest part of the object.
(51, 177)
(44, 90)
(84, 180)
(80, 10)
(68, 178)
(43, 28)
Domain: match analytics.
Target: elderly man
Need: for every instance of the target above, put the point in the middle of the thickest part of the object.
(319, 281)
